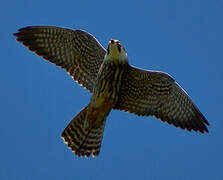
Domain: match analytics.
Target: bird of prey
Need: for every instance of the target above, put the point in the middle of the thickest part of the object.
(113, 83)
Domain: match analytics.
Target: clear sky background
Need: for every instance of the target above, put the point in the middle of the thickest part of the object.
(37, 99)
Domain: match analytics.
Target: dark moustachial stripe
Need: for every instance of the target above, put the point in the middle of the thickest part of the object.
(119, 47)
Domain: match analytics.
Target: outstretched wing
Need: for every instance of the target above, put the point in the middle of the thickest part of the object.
(74, 50)
(155, 93)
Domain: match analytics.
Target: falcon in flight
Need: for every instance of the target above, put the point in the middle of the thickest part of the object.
(113, 83)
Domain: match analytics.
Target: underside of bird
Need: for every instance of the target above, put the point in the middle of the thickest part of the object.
(113, 82)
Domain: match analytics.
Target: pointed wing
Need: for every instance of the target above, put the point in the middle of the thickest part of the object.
(74, 50)
(155, 93)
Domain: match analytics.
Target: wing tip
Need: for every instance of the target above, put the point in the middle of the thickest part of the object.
(21, 30)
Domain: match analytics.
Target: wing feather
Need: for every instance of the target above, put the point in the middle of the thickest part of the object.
(77, 51)
(153, 93)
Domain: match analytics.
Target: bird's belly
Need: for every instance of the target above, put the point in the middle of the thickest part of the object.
(99, 110)
(105, 93)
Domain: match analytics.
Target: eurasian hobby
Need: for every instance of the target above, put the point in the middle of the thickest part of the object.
(113, 82)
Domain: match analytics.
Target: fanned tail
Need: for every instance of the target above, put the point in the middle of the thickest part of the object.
(81, 138)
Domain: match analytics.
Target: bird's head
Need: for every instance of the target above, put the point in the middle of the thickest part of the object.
(116, 52)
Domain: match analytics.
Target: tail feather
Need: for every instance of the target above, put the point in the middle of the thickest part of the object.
(92, 142)
(83, 139)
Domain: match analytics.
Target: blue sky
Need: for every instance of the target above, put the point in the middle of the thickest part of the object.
(181, 37)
